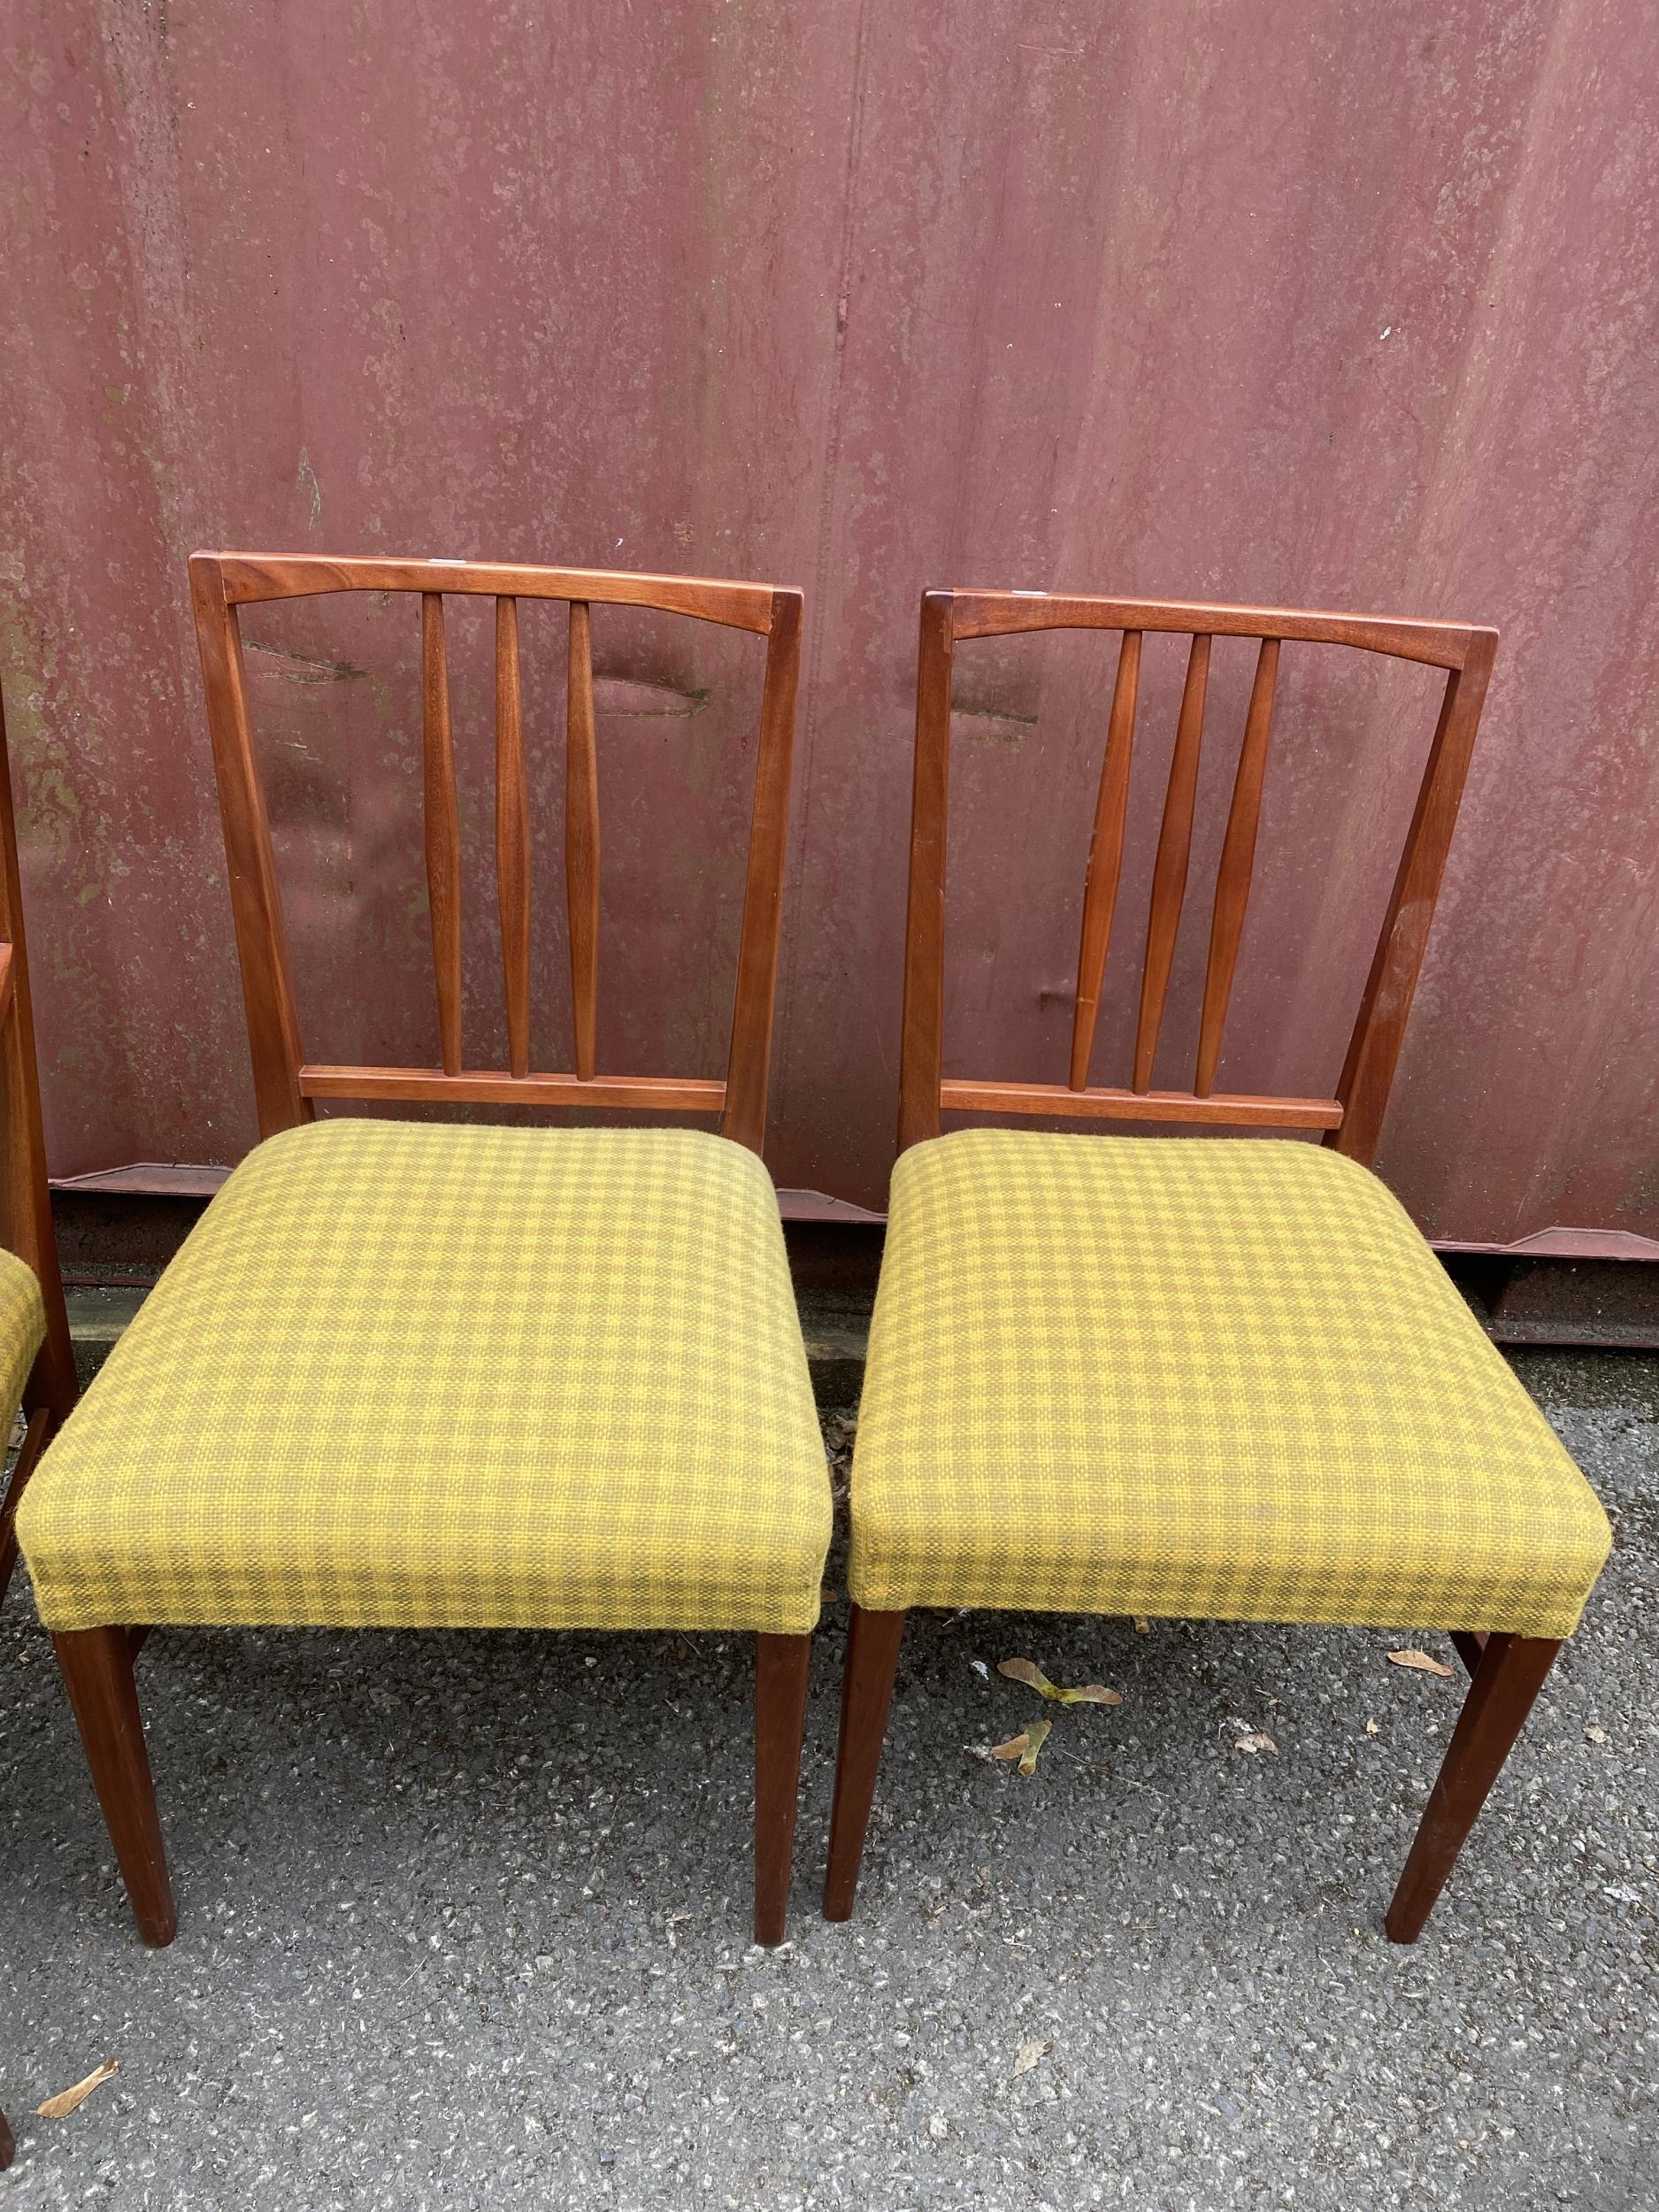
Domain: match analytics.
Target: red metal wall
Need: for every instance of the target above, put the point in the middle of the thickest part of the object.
(1348, 305)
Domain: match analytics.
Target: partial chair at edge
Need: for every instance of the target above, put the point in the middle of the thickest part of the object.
(1180, 1375)
(415, 1375)
(37, 1360)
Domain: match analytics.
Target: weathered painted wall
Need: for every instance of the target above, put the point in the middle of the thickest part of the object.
(1351, 306)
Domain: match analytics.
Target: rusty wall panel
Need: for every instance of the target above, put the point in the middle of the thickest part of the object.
(1350, 306)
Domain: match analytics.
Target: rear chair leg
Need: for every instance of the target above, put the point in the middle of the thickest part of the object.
(872, 1659)
(1508, 1677)
(8, 2148)
(780, 1672)
(33, 1444)
(98, 1668)
(1470, 1642)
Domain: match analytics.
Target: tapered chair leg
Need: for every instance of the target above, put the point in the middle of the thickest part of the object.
(98, 1668)
(780, 1672)
(872, 1659)
(1508, 1677)
(8, 2148)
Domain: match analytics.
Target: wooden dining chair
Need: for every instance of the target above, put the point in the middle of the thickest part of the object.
(418, 1375)
(1190, 1375)
(37, 1360)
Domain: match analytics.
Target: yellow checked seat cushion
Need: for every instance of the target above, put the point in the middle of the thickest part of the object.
(415, 1376)
(1206, 1378)
(22, 1328)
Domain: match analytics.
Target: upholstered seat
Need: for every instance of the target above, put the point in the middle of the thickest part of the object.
(22, 1330)
(1210, 1376)
(425, 1376)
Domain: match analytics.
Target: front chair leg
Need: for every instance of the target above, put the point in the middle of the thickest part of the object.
(780, 1672)
(1508, 1677)
(97, 1669)
(8, 2148)
(872, 1659)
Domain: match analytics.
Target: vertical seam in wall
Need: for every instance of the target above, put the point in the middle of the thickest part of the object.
(808, 722)
(1445, 488)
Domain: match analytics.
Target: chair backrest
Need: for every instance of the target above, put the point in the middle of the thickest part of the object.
(1352, 1119)
(286, 1083)
(25, 1208)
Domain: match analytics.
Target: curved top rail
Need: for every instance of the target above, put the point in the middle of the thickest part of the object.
(248, 577)
(984, 613)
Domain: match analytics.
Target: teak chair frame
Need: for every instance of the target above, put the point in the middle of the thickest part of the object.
(1507, 1672)
(26, 1208)
(97, 1663)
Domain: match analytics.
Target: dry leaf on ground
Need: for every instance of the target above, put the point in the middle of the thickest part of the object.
(1143, 1627)
(1030, 1674)
(63, 2103)
(841, 1431)
(1254, 1739)
(1420, 1662)
(1028, 2054)
(1013, 1748)
(1371, 1728)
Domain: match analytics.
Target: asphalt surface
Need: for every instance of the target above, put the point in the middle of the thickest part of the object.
(463, 1922)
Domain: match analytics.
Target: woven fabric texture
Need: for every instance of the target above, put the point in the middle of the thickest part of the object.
(1205, 1378)
(22, 1328)
(416, 1376)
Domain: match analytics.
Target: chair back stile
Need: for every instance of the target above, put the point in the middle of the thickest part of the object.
(1351, 1120)
(287, 1085)
(26, 1211)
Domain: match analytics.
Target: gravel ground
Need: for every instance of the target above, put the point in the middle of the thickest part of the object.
(463, 1922)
